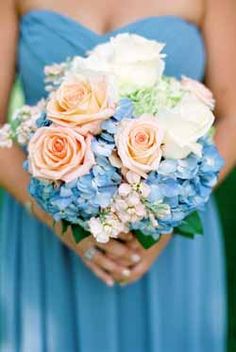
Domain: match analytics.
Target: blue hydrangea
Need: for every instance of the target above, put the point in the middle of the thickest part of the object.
(81, 198)
(43, 121)
(101, 147)
(104, 144)
(146, 228)
(124, 110)
(185, 185)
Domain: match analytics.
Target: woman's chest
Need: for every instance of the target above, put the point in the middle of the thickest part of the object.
(103, 16)
(47, 37)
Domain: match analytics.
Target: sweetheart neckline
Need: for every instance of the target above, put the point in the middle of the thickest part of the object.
(115, 30)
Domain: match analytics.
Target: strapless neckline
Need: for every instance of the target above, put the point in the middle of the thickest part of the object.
(126, 27)
(48, 37)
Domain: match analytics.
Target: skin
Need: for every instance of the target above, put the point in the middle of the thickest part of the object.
(217, 22)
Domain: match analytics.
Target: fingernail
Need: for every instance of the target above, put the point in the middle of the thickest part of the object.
(126, 272)
(135, 258)
(110, 283)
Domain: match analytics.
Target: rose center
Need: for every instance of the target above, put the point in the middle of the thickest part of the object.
(58, 145)
(75, 95)
(141, 138)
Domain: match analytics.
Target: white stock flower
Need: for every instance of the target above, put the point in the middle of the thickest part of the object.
(96, 228)
(183, 126)
(26, 118)
(5, 136)
(109, 227)
(127, 204)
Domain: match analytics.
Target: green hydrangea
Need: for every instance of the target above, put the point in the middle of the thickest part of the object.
(165, 94)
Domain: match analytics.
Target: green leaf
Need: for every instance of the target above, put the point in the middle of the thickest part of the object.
(190, 227)
(146, 241)
(65, 225)
(79, 233)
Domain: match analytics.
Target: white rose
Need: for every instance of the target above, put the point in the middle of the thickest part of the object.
(88, 64)
(136, 61)
(183, 126)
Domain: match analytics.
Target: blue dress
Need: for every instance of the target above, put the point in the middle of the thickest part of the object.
(50, 302)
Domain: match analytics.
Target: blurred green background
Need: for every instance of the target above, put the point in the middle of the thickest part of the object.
(226, 199)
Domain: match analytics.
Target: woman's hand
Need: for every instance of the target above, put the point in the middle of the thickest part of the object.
(110, 262)
(121, 260)
(148, 257)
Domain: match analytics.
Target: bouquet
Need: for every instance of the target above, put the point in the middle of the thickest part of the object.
(117, 146)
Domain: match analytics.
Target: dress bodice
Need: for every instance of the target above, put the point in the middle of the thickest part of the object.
(47, 37)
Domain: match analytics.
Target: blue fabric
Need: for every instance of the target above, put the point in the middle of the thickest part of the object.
(49, 300)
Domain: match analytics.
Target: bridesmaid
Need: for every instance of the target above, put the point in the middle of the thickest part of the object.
(50, 300)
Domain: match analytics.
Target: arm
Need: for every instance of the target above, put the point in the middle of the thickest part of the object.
(12, 176)
(15, 180)
(219, 30)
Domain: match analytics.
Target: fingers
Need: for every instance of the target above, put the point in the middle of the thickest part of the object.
(137, 272)
(120, 250)
(131, 240)
(117, 271)
(80, 249)
(134, 245)
(148, 258)
(120, 261)
(126, 237)
(101, 274)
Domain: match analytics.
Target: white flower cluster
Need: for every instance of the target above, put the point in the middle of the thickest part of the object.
(54, 75)
(128, 205)
(106, 227)
(25, 119)
(126, 208)
(6, 136)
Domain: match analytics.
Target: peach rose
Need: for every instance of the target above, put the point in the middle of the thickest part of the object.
(199, 90)
(60, 153)
(83, 102)
(138, 144)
